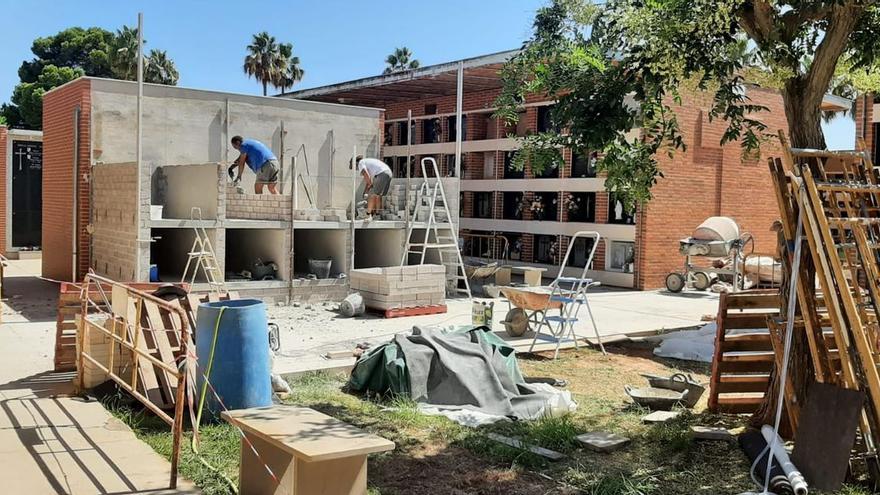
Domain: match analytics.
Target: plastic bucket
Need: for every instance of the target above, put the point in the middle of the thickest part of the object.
(320, 268)
(240, 370)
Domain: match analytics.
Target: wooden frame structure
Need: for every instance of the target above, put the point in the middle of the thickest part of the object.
(152, 333)
(837, 194)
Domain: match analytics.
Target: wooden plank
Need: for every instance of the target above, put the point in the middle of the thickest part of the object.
(147, 381)
(754, 345)
(305, 433)
(163, 348)
(749, 356)
(760, 300)
(747, 320)
(739, 405)
(745, 366)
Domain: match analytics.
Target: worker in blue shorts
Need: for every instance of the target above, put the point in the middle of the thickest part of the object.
(260, 159)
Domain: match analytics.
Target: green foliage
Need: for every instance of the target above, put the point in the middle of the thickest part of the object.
(400, 60)
(28, 97)
(75, 52)
(625, 64)
(272, 63)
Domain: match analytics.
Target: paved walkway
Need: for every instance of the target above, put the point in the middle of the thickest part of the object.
(50, 440)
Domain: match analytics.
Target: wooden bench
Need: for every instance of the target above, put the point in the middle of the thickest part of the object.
(310, 453)
(531, 275)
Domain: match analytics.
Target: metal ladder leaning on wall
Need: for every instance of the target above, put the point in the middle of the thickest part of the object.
(201, 256)
(430, 200)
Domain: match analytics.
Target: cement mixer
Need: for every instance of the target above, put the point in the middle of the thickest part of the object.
(715, 238)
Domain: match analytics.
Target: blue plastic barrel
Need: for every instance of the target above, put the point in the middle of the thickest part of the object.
(240, 373)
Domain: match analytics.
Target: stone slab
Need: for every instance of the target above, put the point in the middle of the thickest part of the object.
(660, 417)
(602, 441)
(712, 433)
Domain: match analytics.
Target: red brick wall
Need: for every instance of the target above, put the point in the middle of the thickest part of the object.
(58, 159)
(4, 167)
(707, 180)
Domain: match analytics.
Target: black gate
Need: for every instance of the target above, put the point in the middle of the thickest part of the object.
(27, 193)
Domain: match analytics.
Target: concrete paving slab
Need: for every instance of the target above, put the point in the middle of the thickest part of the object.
(602, 441)
(660, 416)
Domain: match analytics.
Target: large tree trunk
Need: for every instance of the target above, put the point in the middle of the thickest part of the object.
(803, 115)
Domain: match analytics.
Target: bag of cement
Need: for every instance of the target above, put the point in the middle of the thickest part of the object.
(353, 305)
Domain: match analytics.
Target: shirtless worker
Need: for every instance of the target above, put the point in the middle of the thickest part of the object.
(377, 180)
(260, 159)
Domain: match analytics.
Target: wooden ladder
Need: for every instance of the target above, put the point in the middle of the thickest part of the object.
(202, 257)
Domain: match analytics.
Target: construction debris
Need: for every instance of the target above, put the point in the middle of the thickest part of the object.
(551, 455)
(352, 305)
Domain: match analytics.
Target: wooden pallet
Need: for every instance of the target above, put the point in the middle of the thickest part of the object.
(69, 305)
(742, 362)
(410, 311)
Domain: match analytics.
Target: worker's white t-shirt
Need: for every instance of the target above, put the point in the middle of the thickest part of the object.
(373, 166)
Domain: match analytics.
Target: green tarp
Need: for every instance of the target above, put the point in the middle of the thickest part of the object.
(383, 369)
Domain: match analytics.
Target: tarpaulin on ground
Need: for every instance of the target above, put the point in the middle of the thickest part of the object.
(469, 369)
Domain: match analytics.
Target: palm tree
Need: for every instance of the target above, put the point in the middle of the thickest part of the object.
(160, 69)
(263, 61)
(123, 58)
(400, 60)
(292, 72)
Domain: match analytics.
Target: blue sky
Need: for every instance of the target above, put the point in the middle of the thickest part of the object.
(336, 40)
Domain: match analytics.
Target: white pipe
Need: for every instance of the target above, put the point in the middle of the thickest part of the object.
(139, 145)
(798, 483)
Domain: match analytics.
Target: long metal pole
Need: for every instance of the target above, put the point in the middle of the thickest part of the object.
(75, 248)
(354, 174)
(408, 174)
(139, 145)
(459, 96)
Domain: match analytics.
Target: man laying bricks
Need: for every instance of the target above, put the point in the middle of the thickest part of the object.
(260, 159)
(377, 180)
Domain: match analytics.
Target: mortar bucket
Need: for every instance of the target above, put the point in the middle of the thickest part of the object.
(320, 268)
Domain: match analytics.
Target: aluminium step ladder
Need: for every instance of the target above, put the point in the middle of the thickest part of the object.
(571, 294)
(202, 257)
(431, 201)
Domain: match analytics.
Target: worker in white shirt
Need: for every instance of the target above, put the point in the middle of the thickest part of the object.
(377, 182)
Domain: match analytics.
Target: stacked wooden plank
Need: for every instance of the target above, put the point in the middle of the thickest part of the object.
(743, 351)
(401, 287)
(69, 305)
(838, 196)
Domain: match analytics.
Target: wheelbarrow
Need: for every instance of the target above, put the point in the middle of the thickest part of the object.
(527, 307)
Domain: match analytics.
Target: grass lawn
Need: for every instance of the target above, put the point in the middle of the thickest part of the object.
(437, 456)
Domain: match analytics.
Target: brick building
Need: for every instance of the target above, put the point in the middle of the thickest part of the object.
(21, 163)
(639, 250)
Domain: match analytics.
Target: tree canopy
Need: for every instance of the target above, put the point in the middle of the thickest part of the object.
(400, 60)
(75, 52)
(270, 62)
(626, 63)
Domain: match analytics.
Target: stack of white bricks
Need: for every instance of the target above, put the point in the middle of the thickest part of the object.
(400, 286)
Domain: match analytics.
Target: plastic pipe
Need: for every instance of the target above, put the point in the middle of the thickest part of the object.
(798, 483)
